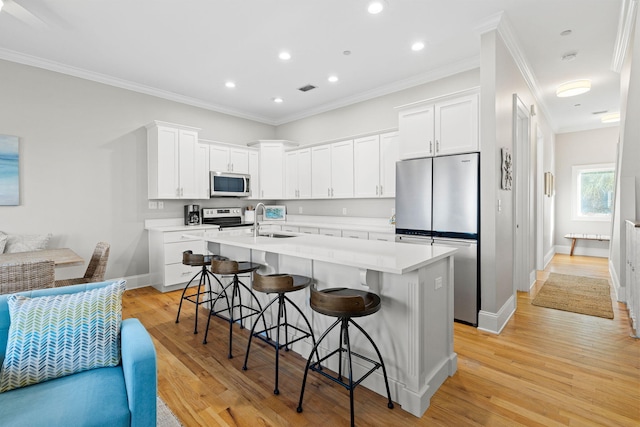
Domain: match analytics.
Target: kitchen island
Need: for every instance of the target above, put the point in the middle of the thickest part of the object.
(414, 328)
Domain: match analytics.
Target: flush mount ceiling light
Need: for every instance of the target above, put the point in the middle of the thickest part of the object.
(284, 55)
(333, 79)
(573, 88)
(417, 46)
(230, 84)
(278, 100)
(375, 7)
(610, 118)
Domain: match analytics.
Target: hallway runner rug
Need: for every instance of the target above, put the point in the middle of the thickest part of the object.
(584, 295)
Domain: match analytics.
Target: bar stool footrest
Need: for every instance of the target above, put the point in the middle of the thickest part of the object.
(272, 343)
(317, 367)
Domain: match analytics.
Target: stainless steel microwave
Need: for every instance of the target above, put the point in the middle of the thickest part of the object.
(227, 184)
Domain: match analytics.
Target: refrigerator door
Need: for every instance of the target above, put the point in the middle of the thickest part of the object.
(456, 195)
(413, 195)
(465, 279)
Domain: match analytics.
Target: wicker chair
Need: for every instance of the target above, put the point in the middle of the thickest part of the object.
(95, 270)
(26, 276)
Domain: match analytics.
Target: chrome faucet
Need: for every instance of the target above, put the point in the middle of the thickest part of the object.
(256, 224)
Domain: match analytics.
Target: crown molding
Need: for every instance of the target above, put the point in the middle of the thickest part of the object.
(505, 30)
(57, 67)
(625, 28)
(439, 73)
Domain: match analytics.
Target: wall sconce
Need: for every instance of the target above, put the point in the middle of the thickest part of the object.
(548, 184)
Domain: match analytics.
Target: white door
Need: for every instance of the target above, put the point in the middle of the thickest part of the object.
(342, 169)
(416, 127)
(389, 155)
(521, 269)
(321, 172)
(366, 165)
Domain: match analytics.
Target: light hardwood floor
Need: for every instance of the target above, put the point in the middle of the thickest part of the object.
(546, 368)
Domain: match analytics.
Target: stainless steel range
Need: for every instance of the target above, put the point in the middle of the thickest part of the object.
(224, 217)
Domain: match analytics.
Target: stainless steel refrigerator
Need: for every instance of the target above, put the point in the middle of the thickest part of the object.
(437, 202)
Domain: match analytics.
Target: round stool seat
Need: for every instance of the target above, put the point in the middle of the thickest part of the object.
(280, 283)
(344, 302)
(197, 260)
(221, 265)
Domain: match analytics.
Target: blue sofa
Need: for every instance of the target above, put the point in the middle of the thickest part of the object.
(123, 395)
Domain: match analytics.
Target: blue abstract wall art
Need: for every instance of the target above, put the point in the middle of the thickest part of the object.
(9, 172)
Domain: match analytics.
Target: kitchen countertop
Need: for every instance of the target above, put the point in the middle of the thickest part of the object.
(388, 257)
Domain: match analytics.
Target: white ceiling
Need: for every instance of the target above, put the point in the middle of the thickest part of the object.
(185, 50)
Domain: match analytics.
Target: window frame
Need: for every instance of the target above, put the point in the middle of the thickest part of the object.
(576, 170)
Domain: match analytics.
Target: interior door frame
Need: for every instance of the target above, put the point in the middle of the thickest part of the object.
(521, 198)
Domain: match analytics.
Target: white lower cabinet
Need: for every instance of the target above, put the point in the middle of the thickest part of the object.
(355, 234)
(165, 258)
(385, 237)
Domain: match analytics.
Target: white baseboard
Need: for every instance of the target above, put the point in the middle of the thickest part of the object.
(134, 282)
(621, 291)
(495, 322)
(549, 256)
(596, 252)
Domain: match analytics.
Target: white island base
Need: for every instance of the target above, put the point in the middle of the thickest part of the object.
(413, 329)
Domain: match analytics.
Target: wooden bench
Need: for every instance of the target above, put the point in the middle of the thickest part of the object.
(575, 236)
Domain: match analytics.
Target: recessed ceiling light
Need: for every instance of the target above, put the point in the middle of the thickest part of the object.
(610, 118)
(572, 88)
(285, 56)
(230, 84)
(417, 46)
(278, 100)
(333, 79)
(375, 7)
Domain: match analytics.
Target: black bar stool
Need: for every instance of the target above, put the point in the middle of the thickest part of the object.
(233, 268)
(345, 303)
(204, 282)
(280, 284)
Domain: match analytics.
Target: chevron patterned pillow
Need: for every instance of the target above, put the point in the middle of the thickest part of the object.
(58, 335)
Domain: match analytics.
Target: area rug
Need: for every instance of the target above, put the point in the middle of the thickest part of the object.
(164, 416)
(585, 295)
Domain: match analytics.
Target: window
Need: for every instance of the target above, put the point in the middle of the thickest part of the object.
(592, 188)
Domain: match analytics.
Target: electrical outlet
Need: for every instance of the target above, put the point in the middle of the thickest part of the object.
(344, 211)
(438, 282)
(160, 205)
(153, 205)
(299, 209)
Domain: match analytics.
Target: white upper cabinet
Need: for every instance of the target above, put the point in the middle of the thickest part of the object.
(173, 163)
(202, 171)
(271, 167)
(456, 127)
(225, 158)
(254, 171)
(298, 174)
(431, 128)
(332, 170)
(375, 160)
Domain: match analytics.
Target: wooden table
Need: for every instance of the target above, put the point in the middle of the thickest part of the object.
(575, 236)
(62, 257)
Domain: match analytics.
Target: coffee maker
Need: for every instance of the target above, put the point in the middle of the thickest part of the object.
(191, 214)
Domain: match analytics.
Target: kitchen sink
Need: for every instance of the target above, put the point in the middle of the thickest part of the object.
(276, 235)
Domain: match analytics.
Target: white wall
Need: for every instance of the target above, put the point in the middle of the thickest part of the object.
(574, 149)
(83, 161)
(501, 79)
